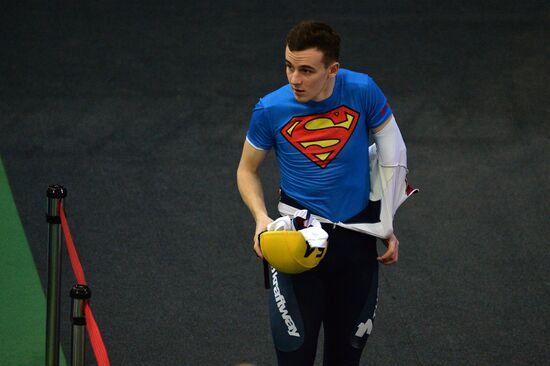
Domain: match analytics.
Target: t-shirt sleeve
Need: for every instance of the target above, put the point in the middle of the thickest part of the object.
(259, 132)
(377, 105)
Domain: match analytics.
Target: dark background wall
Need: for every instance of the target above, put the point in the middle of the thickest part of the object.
(140, 110)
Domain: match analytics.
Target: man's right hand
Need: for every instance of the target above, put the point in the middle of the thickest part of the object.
(261, 226)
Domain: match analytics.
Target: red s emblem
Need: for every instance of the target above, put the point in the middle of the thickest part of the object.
(321, 137)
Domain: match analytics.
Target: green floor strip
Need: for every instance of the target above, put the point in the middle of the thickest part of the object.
(22, 300)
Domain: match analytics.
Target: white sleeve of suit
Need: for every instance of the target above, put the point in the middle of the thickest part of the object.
(388, 179)
(390, 145)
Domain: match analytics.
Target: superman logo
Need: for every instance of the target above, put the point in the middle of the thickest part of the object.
(321, 137)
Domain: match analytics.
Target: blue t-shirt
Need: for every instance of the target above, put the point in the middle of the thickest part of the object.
(322, 147)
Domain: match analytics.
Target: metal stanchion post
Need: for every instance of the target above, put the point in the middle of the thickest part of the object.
(79, 294)
(55, 193)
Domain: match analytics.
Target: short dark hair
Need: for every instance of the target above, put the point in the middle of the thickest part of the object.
(314, 34)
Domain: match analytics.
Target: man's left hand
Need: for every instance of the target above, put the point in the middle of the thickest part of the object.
(392, 253)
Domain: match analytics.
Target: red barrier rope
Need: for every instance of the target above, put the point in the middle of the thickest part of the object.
(96, 340)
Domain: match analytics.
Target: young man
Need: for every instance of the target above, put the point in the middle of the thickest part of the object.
(319, 124)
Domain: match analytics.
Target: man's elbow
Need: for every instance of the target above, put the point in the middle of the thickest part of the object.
(245, 174)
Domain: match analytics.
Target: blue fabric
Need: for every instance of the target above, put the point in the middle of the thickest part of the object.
(322, 147)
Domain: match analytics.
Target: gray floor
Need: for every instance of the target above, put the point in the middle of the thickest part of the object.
(140, 111)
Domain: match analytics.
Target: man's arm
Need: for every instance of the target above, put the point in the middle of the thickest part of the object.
(381, 127)
(250, 188)
(388, 141)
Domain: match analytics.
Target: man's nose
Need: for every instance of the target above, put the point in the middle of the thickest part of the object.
(295, 78)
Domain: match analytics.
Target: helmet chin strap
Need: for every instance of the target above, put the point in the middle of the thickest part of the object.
(267, 283)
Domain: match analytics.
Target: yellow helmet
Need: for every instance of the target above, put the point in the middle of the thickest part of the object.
(288, 251)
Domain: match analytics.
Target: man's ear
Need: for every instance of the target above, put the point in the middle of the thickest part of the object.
(333, 69)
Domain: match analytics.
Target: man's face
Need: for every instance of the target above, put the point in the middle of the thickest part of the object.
(308, 76)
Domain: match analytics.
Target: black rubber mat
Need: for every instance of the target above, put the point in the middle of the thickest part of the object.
(140, 111)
